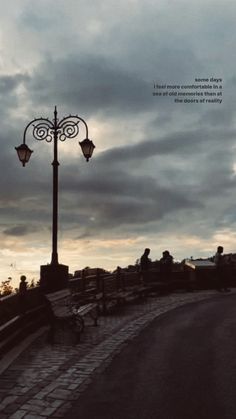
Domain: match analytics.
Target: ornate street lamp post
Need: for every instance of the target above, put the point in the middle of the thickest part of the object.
(55, 275)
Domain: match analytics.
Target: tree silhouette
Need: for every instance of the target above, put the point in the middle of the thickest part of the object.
(6, 288)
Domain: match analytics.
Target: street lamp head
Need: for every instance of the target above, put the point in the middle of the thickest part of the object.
(87, 147)
(24, 153)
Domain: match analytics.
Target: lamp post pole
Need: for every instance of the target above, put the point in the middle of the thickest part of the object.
(55, 165)
(55, 275)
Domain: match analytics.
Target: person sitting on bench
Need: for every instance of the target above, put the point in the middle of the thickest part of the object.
(166, 265)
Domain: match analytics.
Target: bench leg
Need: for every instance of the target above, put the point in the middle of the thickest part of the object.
(94, 316)
(79, 323)
(95, 319)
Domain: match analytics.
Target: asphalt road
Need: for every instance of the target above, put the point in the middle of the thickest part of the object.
(182, 366)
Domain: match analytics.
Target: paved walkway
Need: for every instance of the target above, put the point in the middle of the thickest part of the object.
(181, 366)
(44, 380)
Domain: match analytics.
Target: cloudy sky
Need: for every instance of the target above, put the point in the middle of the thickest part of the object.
(162, 174)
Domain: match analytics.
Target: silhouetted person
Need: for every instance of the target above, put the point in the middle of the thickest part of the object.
(145, 264)
(22, 294)
(220, 269)
(166, 265)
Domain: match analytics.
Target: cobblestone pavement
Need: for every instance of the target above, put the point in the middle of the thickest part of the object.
(45, 379)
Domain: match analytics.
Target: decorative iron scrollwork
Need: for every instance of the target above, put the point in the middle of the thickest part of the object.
(68, 129)
(43, 131)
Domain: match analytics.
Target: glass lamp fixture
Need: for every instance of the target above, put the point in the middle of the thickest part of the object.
(24, 153)
(87, 147)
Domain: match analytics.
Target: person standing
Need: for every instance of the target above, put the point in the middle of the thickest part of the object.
(220, 269)
(145, 264)
(22, 294)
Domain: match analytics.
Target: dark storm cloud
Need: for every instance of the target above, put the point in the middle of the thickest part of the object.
(153, 206)
(217, 117)
(20, 230)
(32, 215)
(174, 64)
(118, 197)
(92, 83)
(8, 84)
(8, 95)
(37, 23)
(17, 183)
(179, 143)
(104, 85)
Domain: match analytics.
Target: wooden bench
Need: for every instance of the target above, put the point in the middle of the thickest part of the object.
(64, 313)
(90, 290)
(142, 287)
(136, 287)
(89, 310)
(112, 295)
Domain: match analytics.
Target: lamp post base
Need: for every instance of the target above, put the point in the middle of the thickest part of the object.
(53, 277)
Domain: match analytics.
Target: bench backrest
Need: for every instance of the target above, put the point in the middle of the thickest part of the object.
(109, 284)
(60, 302)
